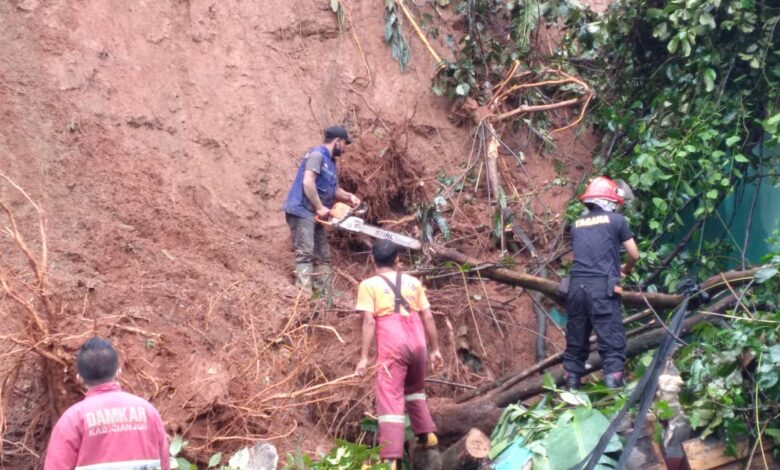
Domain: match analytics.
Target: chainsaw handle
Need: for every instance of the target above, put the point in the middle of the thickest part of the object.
(322, 221)
(360, 209)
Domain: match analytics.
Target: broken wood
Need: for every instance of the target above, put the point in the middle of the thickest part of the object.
(710, 453)
(549, 288)
(456, 419)
(468, 453)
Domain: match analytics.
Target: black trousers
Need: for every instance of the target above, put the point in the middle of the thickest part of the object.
(592, 305)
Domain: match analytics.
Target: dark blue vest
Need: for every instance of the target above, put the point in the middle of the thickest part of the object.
(327, 181)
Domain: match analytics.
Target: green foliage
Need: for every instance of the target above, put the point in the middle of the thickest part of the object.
(239, 460)
(732, 375)
(486, 50)
(345, 456)
(575, 435)
(561, 429)
(394, 36)
(688, 90)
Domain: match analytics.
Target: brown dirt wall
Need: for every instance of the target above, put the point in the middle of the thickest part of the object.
(161, 137)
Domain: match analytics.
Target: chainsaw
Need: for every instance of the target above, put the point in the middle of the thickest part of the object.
(347, 218)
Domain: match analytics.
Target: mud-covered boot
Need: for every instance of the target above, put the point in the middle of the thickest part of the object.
(613, 379)
(573, 381)
(427, 440)
(303, 275)
(323, 282)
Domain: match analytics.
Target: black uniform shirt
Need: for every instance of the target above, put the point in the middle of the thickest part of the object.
(596, 239)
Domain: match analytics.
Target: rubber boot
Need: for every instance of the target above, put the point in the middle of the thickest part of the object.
(303, 275)
(427, 440)
(323, 282)
(573, 381)
(613, 379)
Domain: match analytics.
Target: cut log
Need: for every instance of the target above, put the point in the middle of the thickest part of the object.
(454, 420)
(469, 453)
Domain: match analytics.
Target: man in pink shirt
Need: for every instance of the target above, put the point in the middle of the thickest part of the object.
(109, 429)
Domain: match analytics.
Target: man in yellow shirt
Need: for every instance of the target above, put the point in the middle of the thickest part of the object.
(393, 304)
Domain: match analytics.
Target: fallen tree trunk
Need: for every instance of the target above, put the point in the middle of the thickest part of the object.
(549, 288)
(508, 380)
(468, 453)
(453, 420)
(637, 346)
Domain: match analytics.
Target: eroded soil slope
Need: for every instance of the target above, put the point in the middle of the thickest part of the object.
(160, 138)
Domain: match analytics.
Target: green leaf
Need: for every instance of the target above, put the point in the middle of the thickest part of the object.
(712, 194)
(774, 433)
(462, 89)
(334, 5)
(184, 464)
(215, 459)
(686, 47)
(176, 445)
(661, 31)
(575, 399)
(706, 19)
(569, 442)
(663, 410)
(770, 125)
(709, 79)
(672, 46)
(740, 158)
(369, 425)
(731, 141)
(548, 381)
(766, 273)
(240, 460)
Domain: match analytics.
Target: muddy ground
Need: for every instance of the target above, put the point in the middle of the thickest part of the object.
(160, 138)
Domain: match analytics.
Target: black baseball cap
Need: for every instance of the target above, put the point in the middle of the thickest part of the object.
(337, 132)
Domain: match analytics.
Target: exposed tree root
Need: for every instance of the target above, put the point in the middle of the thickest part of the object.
(29, 315)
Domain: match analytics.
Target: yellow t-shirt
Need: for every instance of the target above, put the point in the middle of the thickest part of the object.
(376, 296)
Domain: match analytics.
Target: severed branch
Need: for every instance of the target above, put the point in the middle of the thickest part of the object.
(549, 288)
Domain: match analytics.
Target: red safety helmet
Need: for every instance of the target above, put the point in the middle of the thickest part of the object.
(603, 188)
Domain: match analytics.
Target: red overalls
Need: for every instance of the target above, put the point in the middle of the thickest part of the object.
(400, 380)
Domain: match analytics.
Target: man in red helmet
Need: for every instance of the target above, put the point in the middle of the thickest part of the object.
(593, 297)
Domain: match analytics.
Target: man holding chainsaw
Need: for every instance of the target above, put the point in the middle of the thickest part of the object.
(593, 294)
(396, 310)
(313, 193)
